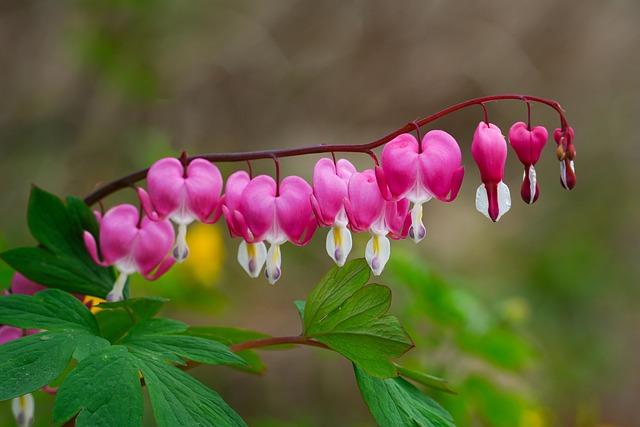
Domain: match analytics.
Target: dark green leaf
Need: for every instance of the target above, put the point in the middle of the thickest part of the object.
(86, 345)
(29, 363)
(394, 402)
(158, 326)
(141, 308)
(334, 288)
(104, 390)
(426, 379)
(114, 324)
(50, 222)
(50, 309)
(179, 400)
(81, 216)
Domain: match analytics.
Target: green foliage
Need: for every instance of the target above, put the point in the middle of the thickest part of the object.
(350, 317)
(426, 380)
(394, 402)
(61, 260)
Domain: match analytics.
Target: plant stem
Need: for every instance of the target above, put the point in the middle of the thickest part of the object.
(271, 341)
(365, 148)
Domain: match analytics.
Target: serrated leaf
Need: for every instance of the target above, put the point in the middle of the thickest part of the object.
(50, 309)
(141, 308)
(104, 390)
(334, 288)
(358, 328)
(394, 402)
(27, 364)
(178, 399)
(427, 380)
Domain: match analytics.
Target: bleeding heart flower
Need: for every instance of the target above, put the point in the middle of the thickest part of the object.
(276, 215)
(528, 144)
(489, 150)
(22, 285)
(132, 246)
(566, 153)
(251, 256)
(23, 409)
(330, 182)
(420, 173)
(182, 194)
(367, 210)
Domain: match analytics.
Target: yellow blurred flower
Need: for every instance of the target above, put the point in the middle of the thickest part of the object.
(532, 418)
(206, 253)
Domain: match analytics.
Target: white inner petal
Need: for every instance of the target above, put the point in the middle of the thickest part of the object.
(532, 183)
(417, 232)
(181, 249)
(252, 256)
(377, 253)
(182, 215)
(118, 288)
(482, 201)
(504, 199)
(23, 408)
(274, 259)
(339, 244)
(563, 173)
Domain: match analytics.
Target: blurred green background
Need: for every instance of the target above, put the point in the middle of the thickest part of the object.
(534, 320)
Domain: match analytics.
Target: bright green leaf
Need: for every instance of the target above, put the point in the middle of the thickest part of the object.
(394, 402)
(426, 379)
(104, 390)
(300, 304)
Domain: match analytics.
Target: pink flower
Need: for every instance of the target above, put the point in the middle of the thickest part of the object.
(251, 256)
(489, 150)
(435, 170)
(367, 210)
(22, 285)
(132, 246)
(277, 217)
(182, 194)
(528, 144)
(566, 153)
(330, 182)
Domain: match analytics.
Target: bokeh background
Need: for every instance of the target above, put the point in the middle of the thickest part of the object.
(533, 320)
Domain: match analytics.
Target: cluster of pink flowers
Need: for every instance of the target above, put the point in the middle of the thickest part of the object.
(385, 201)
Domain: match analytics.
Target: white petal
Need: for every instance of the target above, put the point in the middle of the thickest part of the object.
(23, 409)
(504, 199)
(377, 253)
(417, 232)
(482, 201)
(532, 183)
(339, 244)
(116, 293)
(252, 257)
(181, 249)
(563, 174)
(274, 259)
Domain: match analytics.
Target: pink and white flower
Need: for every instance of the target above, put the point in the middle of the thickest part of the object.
(276, 214)
(420, 173)
(368, 211)
(330, 182)
(566, 153)
(489, 150)
(528, 144)
(251, 255)
(182, 194)
(132, 246)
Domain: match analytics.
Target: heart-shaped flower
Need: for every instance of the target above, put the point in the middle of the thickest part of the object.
(566, 154)
(132, 246)
(489, 150)
(420, 173)
(368, 211)
(528, 144)
(330, 182)
(182, 194)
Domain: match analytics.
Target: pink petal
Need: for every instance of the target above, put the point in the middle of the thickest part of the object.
(118, 229)
(9, 333)
(528, 144)
(147, 205)
(293, 207)
(22, 285)
(236, 183)
(489, 150)
(153, 243)
(203, 185)
(400, 164)
(258, 205)
(398, 219)
(365, 201)
(440, 164)
(329, 188)
(165, 184)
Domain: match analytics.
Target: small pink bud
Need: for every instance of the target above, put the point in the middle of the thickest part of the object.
(528, 145)
(564, 139)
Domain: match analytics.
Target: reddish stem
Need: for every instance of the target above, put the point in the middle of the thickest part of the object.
(271, 341)
(366, 148)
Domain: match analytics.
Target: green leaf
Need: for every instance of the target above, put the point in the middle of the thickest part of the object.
(27, 364)
(357, 327)
(394, 402)
(86, 345)
(427, 380)
(334, 288)
(50, 309)
(158, 336)
(140, 308)
(104, 390)
(50, 222)
(114, 324)
(178, 399)
(300, 304)
(499, 346)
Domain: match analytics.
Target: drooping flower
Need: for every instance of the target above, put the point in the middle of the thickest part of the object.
(528, 144)
(132, 245)
(489, 150)
(182, 194)
(276, 214)
(566, 152)
(420, 173)
(251, 255)
(23, 409)
(330, 181)
(368, 211)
